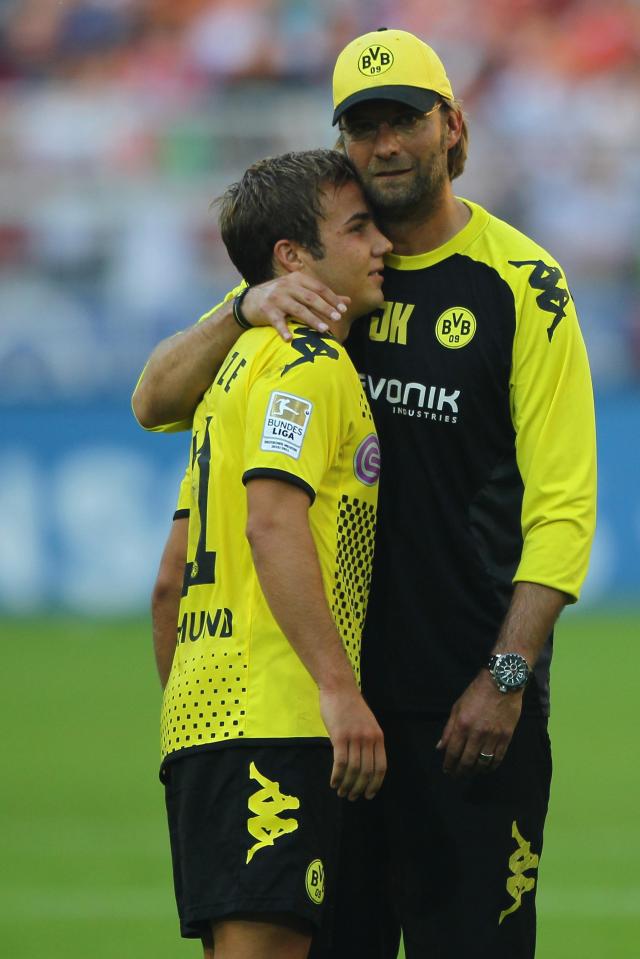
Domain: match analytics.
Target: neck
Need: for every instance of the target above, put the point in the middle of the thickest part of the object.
(341, 328)
(423, 234)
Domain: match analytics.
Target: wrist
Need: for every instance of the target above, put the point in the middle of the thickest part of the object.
(509, 671)
(339, 680)
(238, 312)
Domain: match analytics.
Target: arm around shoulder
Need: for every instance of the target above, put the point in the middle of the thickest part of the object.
(182, 367)
(180, 370)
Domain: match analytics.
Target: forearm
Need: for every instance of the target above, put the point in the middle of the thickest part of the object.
(284, 553)
(481, 724)
(182, 367)
(164, 618)
(165, 600)
(530, 618)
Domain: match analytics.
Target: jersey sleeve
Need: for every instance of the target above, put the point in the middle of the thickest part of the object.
(181, 425)
(553, 415)
(294, 414)
(183, 505)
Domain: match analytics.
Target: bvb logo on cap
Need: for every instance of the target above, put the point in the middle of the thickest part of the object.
(375, 60)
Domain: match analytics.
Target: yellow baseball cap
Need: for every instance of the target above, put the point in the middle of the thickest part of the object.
(388, 65)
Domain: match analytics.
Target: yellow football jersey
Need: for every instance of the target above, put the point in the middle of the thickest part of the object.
(292, 411)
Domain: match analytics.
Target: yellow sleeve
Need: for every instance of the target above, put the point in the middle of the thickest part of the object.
(183, 506)
(294, 414)
(553, 415)
(181, 425)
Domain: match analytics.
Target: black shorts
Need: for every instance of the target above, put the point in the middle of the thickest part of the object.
(253, 830)
(452, 864)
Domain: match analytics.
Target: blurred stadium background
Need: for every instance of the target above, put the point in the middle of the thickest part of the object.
(120, 120)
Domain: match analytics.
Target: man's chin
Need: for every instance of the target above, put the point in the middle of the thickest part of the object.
(398, 189)
(396, 200)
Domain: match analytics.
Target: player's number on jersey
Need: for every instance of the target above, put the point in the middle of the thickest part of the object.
(202, 570)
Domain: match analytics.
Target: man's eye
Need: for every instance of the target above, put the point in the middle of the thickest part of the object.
(361, 129)
(405, 122)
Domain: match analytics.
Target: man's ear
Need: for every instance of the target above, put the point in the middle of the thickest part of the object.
(286, 255)
(454, 127)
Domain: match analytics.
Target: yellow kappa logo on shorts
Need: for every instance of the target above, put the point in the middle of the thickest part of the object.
(519, 862)
(314, 881)
(455, 327)
(267, 804)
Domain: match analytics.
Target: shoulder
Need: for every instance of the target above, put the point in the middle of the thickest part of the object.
(503, 245)
(312, 362)
(536, 279)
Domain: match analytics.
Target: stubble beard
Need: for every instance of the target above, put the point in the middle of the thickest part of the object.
(415, 201)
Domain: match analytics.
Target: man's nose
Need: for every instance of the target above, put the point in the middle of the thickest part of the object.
(386, 140)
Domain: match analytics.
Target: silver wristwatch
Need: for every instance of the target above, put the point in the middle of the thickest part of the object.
(510, 671)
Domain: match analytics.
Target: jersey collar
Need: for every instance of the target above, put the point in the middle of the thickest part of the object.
(457, 244)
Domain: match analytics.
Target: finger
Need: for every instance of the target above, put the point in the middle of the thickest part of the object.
(340, 759)
(453, 752)
(352, 770)
(317, 304)
(486, 760)
(309, 309)
(279, 322)
(302, 283)
(468, 760)
(500, 752)
(446, 734)
(277, 310)
(312, 314)
(279, 318)
(379, 771)
(365, 773)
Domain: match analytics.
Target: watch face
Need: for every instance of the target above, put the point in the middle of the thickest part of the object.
(511, 670)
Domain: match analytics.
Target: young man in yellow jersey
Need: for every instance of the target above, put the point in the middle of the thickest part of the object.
(262, 714)
(479, 385)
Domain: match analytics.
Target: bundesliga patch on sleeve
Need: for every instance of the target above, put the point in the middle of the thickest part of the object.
(285, 424)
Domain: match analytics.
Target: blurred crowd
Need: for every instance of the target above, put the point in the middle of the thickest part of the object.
(120, 121)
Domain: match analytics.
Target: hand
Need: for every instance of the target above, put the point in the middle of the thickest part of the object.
(482, 721)
(359, 759)
(293, 295)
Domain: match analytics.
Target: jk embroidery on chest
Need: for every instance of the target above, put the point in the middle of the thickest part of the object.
(390, 325)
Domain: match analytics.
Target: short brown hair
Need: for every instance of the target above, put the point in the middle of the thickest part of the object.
(279, 198)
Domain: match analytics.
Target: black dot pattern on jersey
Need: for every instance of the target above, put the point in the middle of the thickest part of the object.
(365, 411)
(210, 707)
(354, 556)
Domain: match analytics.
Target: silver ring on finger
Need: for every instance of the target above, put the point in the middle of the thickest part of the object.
(485, 758)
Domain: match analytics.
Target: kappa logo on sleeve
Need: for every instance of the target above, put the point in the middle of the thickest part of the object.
(553, 298)
(285, 424)
(310, 345)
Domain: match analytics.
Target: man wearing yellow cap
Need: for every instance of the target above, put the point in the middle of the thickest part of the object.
(478, 380)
